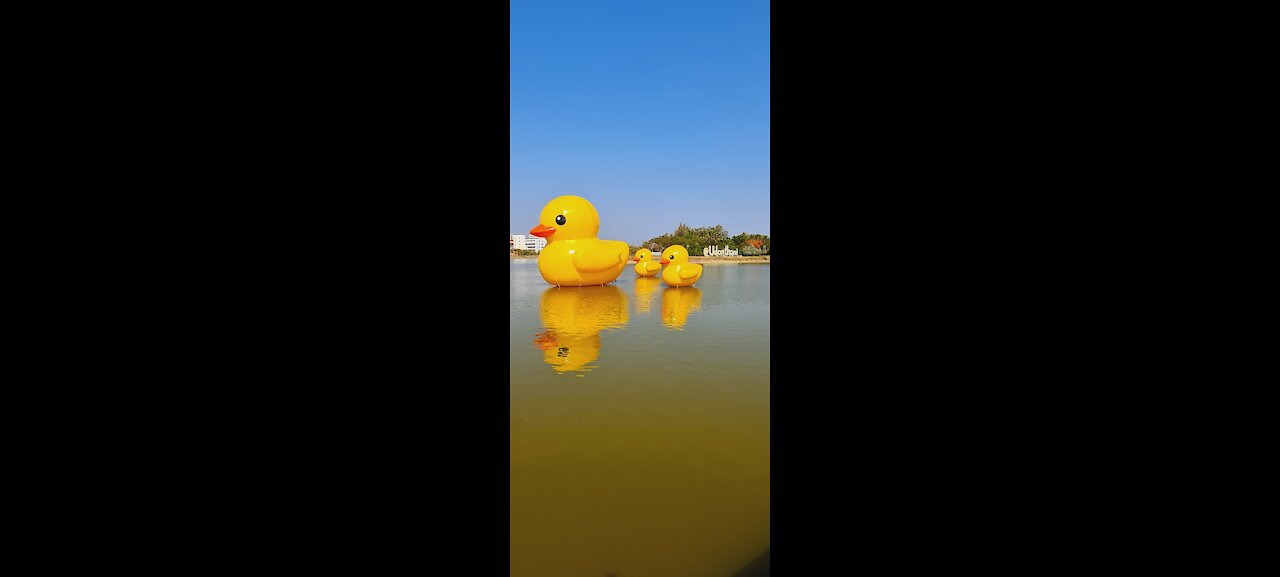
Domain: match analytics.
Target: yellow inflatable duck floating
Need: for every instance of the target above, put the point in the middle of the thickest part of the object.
(645, 265)
(573, 255)
(681, 272)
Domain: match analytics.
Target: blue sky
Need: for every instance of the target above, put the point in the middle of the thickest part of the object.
(656, 111)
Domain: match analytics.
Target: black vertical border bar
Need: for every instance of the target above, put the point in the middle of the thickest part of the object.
(466, 193)
(811, 184)
(778, 430)
(328, 395)
(488, 159)
(502, 424)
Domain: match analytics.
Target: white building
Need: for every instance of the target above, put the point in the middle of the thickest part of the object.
(527, 242)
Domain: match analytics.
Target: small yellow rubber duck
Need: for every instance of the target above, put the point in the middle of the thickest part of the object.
(645, 265)
(573, 255)
(681, 272)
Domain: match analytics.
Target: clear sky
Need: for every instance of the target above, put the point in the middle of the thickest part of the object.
(657, 111)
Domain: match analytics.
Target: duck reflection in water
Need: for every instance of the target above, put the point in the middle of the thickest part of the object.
(645, 287)
(678, 303)
(573, 318)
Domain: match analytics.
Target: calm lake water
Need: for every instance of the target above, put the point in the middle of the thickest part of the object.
(639, 425)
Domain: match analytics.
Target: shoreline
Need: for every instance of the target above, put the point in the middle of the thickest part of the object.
(762, 259)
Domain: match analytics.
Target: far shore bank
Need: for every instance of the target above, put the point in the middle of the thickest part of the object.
(762, 259)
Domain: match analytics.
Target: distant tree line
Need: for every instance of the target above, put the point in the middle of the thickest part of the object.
(695, 239)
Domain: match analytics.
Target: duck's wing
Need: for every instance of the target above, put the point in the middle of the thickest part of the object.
(651, 266)
(599, 258)
(688, 272)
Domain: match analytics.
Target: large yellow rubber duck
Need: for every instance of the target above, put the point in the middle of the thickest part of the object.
(677, 304)
(645, 287)
(681, 272)
(573, 255)
(573, 318)
(645, 265)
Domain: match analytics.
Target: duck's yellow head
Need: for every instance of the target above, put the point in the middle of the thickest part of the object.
(674, 253)
(567, 218)
(642, 255)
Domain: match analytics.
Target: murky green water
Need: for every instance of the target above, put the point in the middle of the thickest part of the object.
(639, 425)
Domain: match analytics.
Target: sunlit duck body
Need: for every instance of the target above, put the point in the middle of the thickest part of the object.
(679, 272)
(574, 257)
(645, 265)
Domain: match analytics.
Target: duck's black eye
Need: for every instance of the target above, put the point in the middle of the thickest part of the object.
(559, 219)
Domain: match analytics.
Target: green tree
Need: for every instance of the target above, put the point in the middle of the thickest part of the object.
(695, 239)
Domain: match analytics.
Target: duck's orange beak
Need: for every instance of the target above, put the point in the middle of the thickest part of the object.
(542, 231)
(665, 261)
(635, 259)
